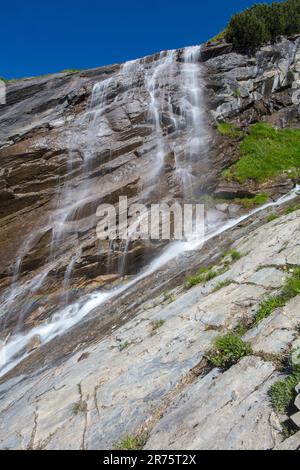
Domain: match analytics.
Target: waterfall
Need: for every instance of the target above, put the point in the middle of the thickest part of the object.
(192, 108)
(171, 90)
(71, 196)
(157, 82)
(15, 349)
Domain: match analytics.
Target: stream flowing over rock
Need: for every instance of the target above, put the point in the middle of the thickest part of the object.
(100, 338)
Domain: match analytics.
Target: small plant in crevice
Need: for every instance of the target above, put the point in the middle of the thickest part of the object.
(169, 298)
(205, 274)
(124, 345)
(237, 92)
(243, 326)
(227, 350)
(290, 210)
(222, 284)
(156, 324)
(130, 442)
(235, 255)
(79, 407)
(272, 217)
(268, 305)
(290, 289)
(282, 393)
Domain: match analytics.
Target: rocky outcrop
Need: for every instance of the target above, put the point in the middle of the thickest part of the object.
(159, 383)
(251, 87)
(97, 129)
(36, 147)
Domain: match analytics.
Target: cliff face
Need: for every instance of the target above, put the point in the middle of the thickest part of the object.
(145, 129)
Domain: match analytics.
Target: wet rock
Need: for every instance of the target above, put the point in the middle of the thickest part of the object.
(233, 210)
(33, 343)
(232, 190)
(222, 207)
(200, 408)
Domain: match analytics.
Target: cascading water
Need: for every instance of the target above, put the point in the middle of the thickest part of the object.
(70, 198)
(156, 84)
(175, 114)
(193, 109)
(15, 349)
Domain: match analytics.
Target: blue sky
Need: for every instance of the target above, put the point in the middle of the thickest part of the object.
(38, 37)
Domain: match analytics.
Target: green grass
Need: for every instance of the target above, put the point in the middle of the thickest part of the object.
(257, 200)
(156, 324)
(70, 70)
(227, 350)
(292, 285)
(3, 79)
(233, 254)
(266, 152)
(282, 393)
(204, 275)
(218, 37)
(290, 289)
(222, 284)
(124, 345)
(168, 297)
(268, 306)
(229, 130)
(130, 442)
(272, 217)
(290, 210)
(243, 326)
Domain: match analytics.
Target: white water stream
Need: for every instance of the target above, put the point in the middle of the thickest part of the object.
(15, 349)
(156, 80)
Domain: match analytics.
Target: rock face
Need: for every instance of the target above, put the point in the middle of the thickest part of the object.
(131, 360)
(159, 383)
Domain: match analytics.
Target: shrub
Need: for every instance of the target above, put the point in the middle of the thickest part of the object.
(283, 392)
(246, 29)
(227, 350)
(262, 23)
